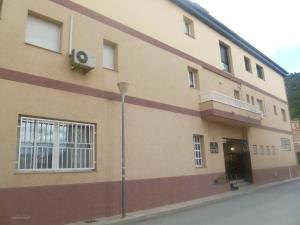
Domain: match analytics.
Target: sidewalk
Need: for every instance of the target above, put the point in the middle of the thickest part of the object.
(175, 208)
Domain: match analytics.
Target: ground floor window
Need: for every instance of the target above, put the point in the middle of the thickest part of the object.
(285, 144)
(55, 145)
(197, 139)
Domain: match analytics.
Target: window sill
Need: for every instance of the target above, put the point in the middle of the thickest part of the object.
(17, 172)
(190, 35)
(109, 69)
(40, 47)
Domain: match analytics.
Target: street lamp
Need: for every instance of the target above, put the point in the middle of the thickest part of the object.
(123, 87)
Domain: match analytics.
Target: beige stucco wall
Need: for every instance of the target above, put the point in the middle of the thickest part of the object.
(158, 143)
(139, 15)
(281, 158)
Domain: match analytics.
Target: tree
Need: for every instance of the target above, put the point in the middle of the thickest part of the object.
(292, 83)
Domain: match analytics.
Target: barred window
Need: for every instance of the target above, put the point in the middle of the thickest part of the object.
(197, 150)
(254, 147)
(268, 150)
(262, 149)
(285, 144)
(55, 145)
(273, 150)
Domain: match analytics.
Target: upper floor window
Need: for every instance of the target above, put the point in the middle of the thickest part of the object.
(285, 144)
(44, 33)
(197, 143)
(247, 64)
(193, 78)
(261, 105)
(236, 94)
(55, 145)
(283, 115)
(248, 98)
(252, 100)
(109, 55)
(275, 110)
(260, 72)
(1, 2)
(225, 57)
(188, 27)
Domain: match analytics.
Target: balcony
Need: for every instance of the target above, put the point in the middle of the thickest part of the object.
(218, 107)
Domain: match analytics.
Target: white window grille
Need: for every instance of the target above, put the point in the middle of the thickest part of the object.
(273, 150)
(197, 150)
(254, 147)
(43, 33)
(55, 145)
(285, 144)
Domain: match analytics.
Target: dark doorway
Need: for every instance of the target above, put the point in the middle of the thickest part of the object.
(237, 160)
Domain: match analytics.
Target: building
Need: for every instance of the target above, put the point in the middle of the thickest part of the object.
(296, 137)
(60, 133)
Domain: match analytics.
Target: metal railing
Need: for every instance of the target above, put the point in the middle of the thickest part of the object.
(225, 99)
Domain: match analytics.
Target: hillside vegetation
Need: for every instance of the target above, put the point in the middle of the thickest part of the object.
(292, 83)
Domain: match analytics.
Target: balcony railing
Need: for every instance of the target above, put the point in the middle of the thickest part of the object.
(225, 99)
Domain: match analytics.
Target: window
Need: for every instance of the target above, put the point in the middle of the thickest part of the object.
(193, 78)
(55, 145)
(283, 115)
(260, 72)
(273, 150)
(109, 55)
(262, 149)
(261, 105)
(254, 149)
(1, 3)
(247, 64)
(197, 139)
(252, 100)
(43, 33)
(236, 94)
(285, 144)
(268, 150)
(188, 27)
(248, 98)
(275, 109)
(225, 61)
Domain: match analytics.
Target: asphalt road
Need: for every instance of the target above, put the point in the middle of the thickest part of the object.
(279, 205)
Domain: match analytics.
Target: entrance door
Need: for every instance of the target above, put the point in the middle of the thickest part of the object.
(237, 159)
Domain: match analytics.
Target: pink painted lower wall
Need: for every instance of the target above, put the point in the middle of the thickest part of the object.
(263, 176)
(55, 205)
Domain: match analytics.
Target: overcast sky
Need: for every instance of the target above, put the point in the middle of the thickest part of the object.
(272, 26)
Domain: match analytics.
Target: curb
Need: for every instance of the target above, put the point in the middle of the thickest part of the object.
(180, 207)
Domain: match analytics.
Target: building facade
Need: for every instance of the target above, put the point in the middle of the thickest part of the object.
(296, 138)
(203, 105)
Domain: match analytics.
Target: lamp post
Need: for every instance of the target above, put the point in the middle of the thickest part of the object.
(123, 87)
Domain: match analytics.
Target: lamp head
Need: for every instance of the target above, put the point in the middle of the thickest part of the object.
(123, 87)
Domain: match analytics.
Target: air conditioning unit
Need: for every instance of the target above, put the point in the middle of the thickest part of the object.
(83, 60)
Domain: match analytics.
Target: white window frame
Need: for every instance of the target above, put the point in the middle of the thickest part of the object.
(197, 146)
(192, 79)
(79, 144)
(285, 144)
(41, 37)
(109, 56)
(188, 27)
(255, 150)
